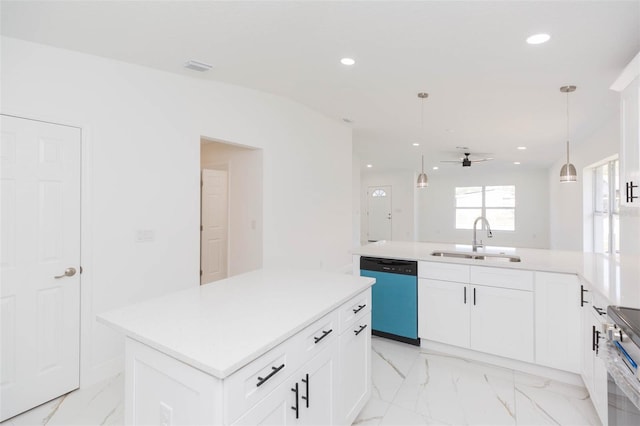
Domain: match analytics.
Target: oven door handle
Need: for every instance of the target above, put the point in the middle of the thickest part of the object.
(626, 355)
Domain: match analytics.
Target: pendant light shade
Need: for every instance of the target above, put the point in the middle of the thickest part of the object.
(568, 171)
(423, 181)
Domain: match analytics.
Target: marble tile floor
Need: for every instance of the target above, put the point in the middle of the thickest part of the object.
(411, 386)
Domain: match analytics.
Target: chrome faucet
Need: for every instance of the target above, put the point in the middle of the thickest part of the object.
(475, 244)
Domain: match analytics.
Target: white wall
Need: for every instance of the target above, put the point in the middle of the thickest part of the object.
(141, 147)
(436, 206)
(244, 168)
(402, 202)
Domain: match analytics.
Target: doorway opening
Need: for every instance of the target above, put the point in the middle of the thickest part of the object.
(231, 209)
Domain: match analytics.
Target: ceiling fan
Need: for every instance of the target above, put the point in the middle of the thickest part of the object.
(466, 161)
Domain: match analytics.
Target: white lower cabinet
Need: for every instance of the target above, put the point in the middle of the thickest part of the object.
(494, 320)
(594, 371)
(502, 322)
(319, 376)
(354, 380)
(306, 398)
(558, 321)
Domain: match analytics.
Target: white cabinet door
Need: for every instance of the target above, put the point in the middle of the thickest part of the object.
(443, 311)
(558, 321)
(355, 370)
(316, 389)
(594, 371)
(502, 322)
(274, 410)
(630, 144)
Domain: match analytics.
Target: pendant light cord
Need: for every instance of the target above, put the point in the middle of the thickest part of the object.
(567, 127)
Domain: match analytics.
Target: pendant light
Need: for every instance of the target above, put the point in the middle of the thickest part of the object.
(568, 171)
(423, 181)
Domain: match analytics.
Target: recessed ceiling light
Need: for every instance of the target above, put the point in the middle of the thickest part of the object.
(369, 166)
(435, 167)
(516, 162)
(538, 38)
(522, 148)
(415, 144)
(347, 61)
(197, 66)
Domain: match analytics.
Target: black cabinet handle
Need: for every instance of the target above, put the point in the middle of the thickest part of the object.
(474, 296)
(358, 331)
(274, 370)
(600, 311)
(306, 383)
(630, 196)
(595, 339)
(324, 334)
(582, 291)
(465, 295)
(295, 407)
(359, 308)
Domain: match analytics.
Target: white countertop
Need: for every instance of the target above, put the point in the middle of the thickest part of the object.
(616, 278)
(220, 327)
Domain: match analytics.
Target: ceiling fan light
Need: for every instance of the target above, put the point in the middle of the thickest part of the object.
(568, 173)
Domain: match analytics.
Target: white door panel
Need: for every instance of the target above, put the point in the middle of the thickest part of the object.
(40, 330)
(379, 213)
(214, 235)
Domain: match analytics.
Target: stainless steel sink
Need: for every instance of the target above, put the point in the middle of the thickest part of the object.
(479, 256)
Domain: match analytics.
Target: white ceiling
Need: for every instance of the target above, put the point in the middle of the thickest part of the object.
(488, 89)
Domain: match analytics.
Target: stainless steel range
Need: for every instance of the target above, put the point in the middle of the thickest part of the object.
(622, 360)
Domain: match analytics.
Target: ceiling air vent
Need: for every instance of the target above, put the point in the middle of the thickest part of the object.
(197, 66)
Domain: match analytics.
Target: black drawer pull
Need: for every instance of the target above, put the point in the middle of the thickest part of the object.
(295, 407)
(600, 311)
(324, 334)
(359, 308)
(358, 331)
(274, 371)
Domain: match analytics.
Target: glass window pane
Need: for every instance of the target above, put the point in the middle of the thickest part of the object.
(601, 196)
(500, 196)
(616, 186)
(501, 219)
(616, 233)
(469, 196)
(465, 217)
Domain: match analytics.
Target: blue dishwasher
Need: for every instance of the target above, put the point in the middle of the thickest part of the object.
(394, 304)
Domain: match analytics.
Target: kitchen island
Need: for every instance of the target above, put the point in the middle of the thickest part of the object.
(249, 348)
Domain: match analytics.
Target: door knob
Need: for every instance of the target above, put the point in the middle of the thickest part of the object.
(69, 272)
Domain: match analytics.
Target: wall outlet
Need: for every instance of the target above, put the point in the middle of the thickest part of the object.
(166, 414)
(145, 235)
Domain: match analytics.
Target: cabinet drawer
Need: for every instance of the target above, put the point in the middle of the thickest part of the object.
(501, 277)
(355, 309)
(317, 336)
(247, 386)
(444, 271)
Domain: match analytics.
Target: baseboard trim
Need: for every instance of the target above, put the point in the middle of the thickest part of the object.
(525, 367)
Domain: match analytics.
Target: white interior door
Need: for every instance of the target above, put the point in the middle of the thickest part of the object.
(214, 229)
(379, 213)
(39, 304)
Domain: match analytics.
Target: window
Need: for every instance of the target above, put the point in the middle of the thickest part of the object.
(379, 193)
(496, 203)
(606, 203)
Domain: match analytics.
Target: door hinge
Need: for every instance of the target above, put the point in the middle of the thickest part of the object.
(201, 228)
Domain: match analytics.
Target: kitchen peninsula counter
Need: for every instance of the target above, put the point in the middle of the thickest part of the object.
(616, 278)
